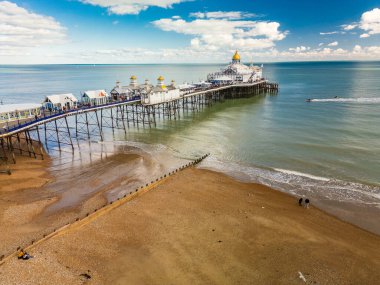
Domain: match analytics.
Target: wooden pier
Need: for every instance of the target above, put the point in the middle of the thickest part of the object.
(60, 131)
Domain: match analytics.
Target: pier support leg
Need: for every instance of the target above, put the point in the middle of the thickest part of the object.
(69, 134)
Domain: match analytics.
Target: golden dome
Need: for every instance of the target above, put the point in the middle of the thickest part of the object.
(133, 77)
(160, 78)
(236, 56)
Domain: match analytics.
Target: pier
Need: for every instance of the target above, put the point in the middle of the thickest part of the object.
(61, 130)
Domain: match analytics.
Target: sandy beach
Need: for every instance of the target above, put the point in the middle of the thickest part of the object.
(202, 227)
(184, 142)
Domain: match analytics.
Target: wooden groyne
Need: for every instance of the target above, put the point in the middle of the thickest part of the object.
(61, 130)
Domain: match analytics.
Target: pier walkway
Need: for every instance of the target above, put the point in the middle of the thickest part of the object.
(31, 138)
(59, 115)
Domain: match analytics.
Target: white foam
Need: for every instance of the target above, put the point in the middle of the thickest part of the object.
(291, 172)
(298, 183)
(349, 100)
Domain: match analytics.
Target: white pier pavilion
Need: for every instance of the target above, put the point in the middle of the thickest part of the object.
(121, 93)
(160, 93)
(95, 97)
(236, 72)
(61, 101)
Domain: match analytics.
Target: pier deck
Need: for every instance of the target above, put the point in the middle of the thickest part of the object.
(33, 137)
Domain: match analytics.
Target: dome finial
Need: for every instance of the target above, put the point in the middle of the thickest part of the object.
(236, 57)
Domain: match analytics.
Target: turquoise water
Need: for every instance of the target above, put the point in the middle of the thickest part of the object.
(328, 149)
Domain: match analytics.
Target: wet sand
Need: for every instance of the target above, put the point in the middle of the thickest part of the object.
(202, 227)
(41, 196)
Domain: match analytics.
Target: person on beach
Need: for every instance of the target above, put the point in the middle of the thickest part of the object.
(307, 202)
(20, 254)
(23, 255)
(300, 202)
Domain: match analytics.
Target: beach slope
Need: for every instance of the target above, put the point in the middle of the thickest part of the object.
(202, 227)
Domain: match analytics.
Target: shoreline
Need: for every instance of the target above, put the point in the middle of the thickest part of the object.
(44, 207)
(360, 214)
(212, 230)
(31, 174)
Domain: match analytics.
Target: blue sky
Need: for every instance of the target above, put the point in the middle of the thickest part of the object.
(197, 31)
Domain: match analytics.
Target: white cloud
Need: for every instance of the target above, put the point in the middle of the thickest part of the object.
(333, 44)
(349, 27)
(165, 55)
(195, 43)
(374, 50)
(232, 15)
(115, 22)
(362, 36)
(222, 34)
(321, 44)
(329, 33)
(134, 7)
(198, 55)
(357, 53)
(309, 54)
(371, 52)
(357, 49)
(21, 29)
(370, 22)
(299, 49)
(192, 54)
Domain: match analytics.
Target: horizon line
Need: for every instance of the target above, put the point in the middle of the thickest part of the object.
(195, 63)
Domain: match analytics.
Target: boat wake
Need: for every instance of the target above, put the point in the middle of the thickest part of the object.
(375, 100)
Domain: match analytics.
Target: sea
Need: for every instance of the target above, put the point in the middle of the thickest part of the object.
(326, 149)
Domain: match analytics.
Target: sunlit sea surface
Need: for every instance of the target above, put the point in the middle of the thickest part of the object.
(327, 149)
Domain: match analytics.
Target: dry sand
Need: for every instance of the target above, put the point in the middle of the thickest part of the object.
(22, 199)
(201, 227)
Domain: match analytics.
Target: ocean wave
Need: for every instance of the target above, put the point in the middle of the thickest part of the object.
(291, 172)
(349, 100)
(298, 183)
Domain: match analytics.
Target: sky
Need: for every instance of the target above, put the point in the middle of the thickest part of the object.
(187, 31)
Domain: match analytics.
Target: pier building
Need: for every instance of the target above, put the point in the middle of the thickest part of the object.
(202, 85)
(186, 88)
(120, 93)
(15, 112)
(236, 72)
(160, 93)
(95, 97)
(133, 85)
(145, 88)
(60, 102)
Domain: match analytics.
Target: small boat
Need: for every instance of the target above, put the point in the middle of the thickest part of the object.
(308, 100)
